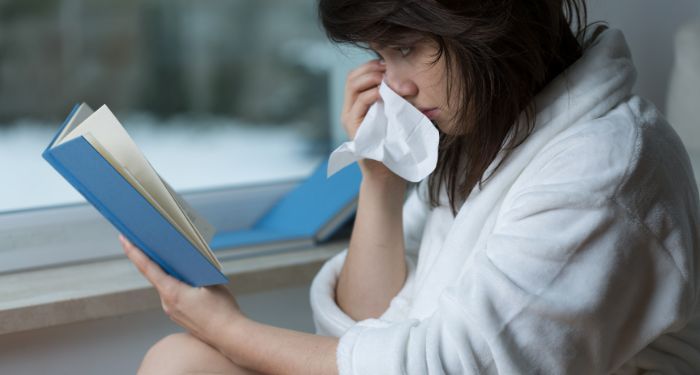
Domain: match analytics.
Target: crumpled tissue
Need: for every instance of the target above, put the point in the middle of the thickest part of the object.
(395, 133)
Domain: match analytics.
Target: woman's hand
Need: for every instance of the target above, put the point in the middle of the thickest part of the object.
(212, 315)
(361, 91)
(201, 311)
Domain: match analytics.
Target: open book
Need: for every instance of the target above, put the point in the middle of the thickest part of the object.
(93, 152)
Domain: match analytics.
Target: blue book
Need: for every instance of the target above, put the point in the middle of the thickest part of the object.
(308, 214)
(94, 153)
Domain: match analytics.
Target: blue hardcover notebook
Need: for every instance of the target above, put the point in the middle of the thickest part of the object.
(94, 153)
(312, 210)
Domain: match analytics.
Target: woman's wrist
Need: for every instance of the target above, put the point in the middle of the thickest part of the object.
(270, 349)
(376, 173)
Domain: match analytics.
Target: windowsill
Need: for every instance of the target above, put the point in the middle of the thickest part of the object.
(79, 292)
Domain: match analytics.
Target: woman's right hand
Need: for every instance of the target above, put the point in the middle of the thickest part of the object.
(361, 91)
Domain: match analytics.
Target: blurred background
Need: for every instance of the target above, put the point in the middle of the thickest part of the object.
(225, 92)
(215, 92)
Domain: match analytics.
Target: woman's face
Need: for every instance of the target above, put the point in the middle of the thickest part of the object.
(411, 73)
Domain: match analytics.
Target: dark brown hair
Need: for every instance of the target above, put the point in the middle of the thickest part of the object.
(504, 51)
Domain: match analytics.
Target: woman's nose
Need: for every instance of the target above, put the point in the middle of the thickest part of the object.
(404, 87)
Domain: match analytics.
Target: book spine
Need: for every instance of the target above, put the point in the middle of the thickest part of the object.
(65, 123)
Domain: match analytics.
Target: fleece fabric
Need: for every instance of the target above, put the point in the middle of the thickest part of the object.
(580, 255)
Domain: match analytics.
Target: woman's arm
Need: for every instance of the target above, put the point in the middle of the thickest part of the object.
(212, 315)
(272, 350)
(374, 270)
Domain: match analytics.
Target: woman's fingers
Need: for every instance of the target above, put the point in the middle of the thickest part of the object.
(362, 83)
(359, 109)
(369, 66)
(361, 90)
(353, 87)
(146, 266)
(362, 79)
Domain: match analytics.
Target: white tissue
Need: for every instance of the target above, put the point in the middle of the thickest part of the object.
(395, 133)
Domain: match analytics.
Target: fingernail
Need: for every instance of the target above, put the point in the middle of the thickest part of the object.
(382, 62)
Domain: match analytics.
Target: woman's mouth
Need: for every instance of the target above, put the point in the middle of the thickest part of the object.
(430, 113)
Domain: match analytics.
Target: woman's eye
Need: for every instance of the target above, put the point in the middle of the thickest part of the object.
(404, 51)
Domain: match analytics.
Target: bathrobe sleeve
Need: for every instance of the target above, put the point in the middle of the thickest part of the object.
(568, 282)
(329, 318)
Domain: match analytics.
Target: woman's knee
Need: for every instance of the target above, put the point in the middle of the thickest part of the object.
(181, 353)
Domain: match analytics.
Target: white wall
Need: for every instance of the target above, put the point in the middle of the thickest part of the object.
(115, 346)
(649, 27)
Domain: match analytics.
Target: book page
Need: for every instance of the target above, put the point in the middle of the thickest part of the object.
(206, 251)
(204, 228)
(112, 137)
(205, 231)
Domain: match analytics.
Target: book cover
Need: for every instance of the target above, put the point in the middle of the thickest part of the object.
(312, 210)
(84, 167)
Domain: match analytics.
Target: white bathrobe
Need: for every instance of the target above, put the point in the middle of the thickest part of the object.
(580, 255)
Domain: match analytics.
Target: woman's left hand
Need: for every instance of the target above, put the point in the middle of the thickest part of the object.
(202, 311)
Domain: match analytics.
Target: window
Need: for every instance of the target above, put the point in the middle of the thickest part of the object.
(211, 91)
(231, 101)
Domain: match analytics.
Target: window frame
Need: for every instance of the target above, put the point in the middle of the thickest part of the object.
(57, 236)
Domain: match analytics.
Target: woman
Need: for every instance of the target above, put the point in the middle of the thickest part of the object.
(558, 233)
